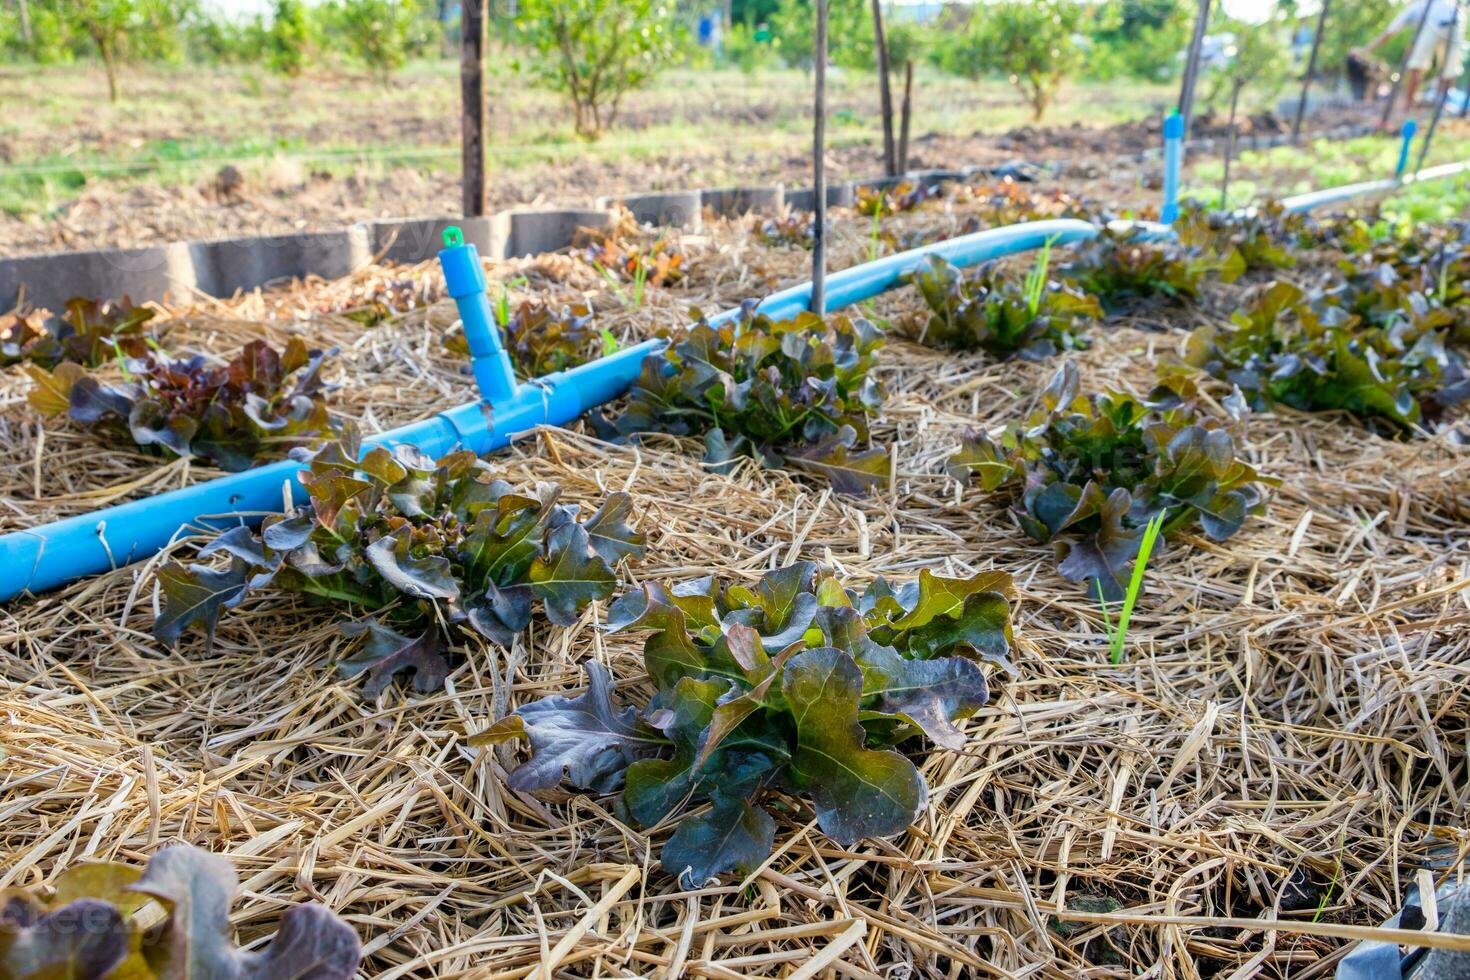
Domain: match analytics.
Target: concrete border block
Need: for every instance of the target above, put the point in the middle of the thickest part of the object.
(230, 265)
(50, 279)
(417, 239)
(935, 175)
(805, 198)
(731, 202)
(666, 208)
(531, 231)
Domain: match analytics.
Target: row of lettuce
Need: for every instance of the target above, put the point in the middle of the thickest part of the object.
(798, 683)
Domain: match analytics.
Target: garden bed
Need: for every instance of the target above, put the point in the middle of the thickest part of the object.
(1284, 738)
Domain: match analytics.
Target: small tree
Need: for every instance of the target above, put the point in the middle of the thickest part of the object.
(1030, 41)
(1258, 59)
(1128, 35)
(380, 33)
(849, 33)
(596, 51)
(106, 23)
(146, 29)
(288, 38)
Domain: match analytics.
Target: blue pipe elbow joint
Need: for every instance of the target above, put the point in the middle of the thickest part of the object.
(1173, 161)
(1410, 128)
(465, 279)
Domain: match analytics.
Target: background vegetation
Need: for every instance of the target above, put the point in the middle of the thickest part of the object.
(594, 51)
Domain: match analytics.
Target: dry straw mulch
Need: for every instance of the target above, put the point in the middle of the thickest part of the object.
(1286, 740)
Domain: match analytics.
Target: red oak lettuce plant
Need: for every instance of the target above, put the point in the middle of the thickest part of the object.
(542, 339)
(997, 313)
(657, 263)
(168, 922)
(89, 333)
(795, 684)
(380, 300)
(424, 548)
(791, 392)
(1262, 236)
(1093, 471)
(876, 202)
(1122, 265)
(261, 403)
(1316, 354)
(798, 229)
(1007, 202)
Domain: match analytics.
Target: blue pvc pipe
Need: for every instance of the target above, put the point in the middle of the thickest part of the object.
(54, 554)
(464, 279)
(1407, 134)
(860, 282)
(1332, 195)
(1173, 160)
(50, 556)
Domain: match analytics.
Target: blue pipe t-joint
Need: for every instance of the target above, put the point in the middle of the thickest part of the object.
(1410, 128)
(465, 279)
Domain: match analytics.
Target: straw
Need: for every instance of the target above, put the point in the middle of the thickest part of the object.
(1253, 788)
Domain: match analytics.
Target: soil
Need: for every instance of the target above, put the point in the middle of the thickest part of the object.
(286, 198)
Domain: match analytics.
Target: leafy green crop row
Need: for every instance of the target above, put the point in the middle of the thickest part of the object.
(427, 548)
(794, 392)
(1093, 471)
(263, 402)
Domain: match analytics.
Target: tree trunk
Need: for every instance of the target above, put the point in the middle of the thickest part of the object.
(25, 22)
(1191, 66)
(109, 61)
(1039, 100)
(885, 94)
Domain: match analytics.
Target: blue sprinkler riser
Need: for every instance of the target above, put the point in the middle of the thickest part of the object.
(50, 556)
(464, 280)
(1406, 139)
(1173, 163)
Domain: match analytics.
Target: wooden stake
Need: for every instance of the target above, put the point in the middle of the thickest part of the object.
(819, 170)
(1191, 67)
(474, 119)
(1301, 105)
(908, 106)
(885, 93)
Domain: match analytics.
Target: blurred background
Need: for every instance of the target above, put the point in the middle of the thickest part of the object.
(130, 122)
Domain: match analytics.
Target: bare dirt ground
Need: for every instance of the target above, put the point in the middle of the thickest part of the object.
(223, 155)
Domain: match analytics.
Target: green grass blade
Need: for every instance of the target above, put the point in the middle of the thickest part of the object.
(1135, 585)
